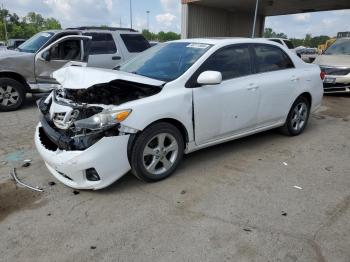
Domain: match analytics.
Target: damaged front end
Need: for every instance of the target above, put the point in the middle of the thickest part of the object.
(75, 119)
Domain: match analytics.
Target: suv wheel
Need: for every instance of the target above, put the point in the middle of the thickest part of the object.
(12, 94)
(157, 152)
(297, 118)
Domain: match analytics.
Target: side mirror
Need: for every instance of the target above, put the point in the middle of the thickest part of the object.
(210, 78)
(46, 56)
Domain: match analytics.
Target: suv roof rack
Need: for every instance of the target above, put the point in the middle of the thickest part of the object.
(102, 28)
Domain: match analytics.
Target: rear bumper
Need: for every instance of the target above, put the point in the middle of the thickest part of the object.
(108, 157)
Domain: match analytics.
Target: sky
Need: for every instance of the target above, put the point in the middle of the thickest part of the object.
(165, 15)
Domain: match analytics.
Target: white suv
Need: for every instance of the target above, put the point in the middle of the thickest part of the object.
(172, 99)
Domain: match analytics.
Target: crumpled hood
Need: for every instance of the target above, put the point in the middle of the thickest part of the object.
(333, 60)
(74, 77)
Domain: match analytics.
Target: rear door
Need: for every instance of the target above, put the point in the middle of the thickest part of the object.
(104, 50)
(278, 81)
(68, 50)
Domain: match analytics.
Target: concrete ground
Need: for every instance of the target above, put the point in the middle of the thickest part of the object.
(235, 202)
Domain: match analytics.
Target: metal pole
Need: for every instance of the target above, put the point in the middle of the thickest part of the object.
(4, 18)
(148, 19)
(255, 17)
(130, 14)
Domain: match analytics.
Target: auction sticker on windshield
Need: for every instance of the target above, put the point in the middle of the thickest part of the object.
(200, 46)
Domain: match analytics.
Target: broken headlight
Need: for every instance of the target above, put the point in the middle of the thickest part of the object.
(104, 119)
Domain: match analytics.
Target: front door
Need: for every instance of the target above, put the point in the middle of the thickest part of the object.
(230, 107)
(68, 50)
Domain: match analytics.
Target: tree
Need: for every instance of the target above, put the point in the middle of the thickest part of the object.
(161, 36)
(26, 27)
(269, 33)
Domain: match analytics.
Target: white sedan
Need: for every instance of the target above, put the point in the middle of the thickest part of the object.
(172, 99)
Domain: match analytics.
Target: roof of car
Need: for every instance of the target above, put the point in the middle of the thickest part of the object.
(224, 40)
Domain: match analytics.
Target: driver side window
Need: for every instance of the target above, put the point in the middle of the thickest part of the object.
(232, 62)
(69, 50)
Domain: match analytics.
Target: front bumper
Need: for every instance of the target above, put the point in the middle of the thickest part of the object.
(108, 157)
(336, 83)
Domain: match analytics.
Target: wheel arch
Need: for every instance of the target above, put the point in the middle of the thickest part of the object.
(308, 96)
(15, 76)
(180, 126)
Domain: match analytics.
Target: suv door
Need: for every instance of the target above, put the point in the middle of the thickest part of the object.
(68, 50)
(104, 52)
(230, 107)
(278, 80)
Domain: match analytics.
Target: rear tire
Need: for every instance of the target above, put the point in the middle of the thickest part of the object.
(156, 152)
(297, 118)
(12, 94)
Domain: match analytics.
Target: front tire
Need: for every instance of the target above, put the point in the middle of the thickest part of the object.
(12, 94)
(157, 152)
(297, 118)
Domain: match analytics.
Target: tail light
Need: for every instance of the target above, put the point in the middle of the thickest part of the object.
(322, 75)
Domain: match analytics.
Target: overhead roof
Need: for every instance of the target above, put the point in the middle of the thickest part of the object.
(275, 7)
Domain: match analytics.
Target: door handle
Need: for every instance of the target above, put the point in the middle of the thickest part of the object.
(253, 87)
(116, 58)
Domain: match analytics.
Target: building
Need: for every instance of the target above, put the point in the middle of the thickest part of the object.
(223, 18)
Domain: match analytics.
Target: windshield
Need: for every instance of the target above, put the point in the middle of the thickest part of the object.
(340, 47)
(33, 44)
(166, 62)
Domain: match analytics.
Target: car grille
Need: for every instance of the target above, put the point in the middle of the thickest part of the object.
(335, 71)
(62, 122)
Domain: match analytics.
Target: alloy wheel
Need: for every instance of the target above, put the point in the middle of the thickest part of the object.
(299, 116)
(160, 153)
(8, 95)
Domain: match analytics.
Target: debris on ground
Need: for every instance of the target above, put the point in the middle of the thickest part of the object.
(183, 192)
(93, 247)
(285, 163)
(17, 181)
(329, 168)
(247, 229)
(284, 213)
(4, 163)
(298, 187)
(27, 160)
(75, 192)
(49, 214)
(26, 164)
(51, 183)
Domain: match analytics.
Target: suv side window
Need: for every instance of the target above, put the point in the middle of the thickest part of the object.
(271, 58)
(69, 50)
(232, 61)
(101, 44)
(135, 43)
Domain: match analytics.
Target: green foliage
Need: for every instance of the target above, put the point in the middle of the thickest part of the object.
(308, 41)
(269, 33)
(26, 27)
(161, 36)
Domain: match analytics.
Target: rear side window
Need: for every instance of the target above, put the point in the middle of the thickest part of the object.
(101, 44)
(135, 43)
(271, 58)
(231, 61)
